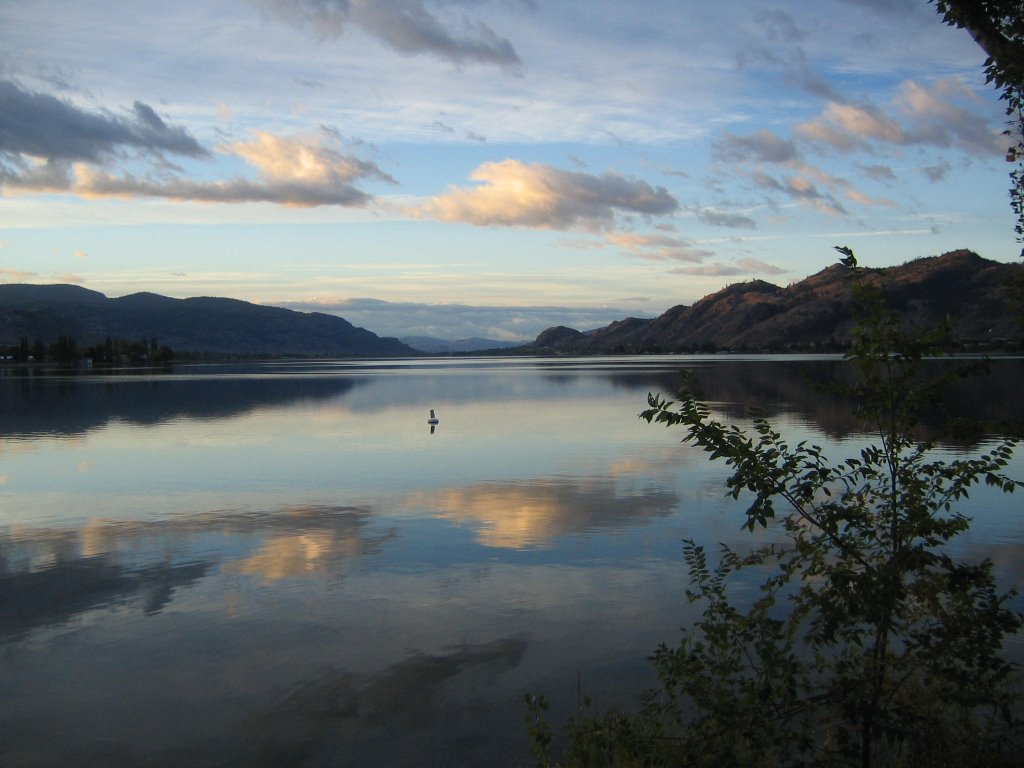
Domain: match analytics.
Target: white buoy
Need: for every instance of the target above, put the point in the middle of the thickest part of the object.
(433, 419)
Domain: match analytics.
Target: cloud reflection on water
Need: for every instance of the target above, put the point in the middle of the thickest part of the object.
(59, 592)
(49, 576)
(300, 580)
(528, 514)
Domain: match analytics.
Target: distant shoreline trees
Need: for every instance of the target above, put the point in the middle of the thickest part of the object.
(66, 351)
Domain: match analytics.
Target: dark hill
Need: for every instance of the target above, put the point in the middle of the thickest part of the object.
(816, 313)
(199, 325)
(29, 295)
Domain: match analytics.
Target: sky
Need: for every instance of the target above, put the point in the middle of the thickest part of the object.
(491, 168)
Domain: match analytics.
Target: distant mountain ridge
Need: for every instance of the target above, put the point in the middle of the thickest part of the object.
(201, 325)
(974, 293)
(435, 346)
(814, 314)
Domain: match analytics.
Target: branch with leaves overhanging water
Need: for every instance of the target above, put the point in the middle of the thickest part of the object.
(869, 642)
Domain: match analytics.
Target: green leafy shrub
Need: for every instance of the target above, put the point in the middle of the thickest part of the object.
(867, 643)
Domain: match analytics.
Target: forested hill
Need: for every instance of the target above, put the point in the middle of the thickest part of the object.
(201, 325)
(981, 299)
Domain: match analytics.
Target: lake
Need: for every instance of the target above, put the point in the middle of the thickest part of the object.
(282, 563)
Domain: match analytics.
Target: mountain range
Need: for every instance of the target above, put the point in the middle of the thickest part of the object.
(435, 346)
(202, 325)
(982, 300)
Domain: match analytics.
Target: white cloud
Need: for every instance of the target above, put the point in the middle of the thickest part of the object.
(928, 116)
(16, 275)
(658, 247)
(511, 193)
(293, 171)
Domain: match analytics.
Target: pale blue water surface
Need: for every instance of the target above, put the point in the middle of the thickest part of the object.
(281, 564)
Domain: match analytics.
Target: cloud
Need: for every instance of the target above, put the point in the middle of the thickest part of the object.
(760, 267)
(511, 193)
(16, 275)
(51, 145)
(723, 219)
(303, 159)
(709, 270)
(940, 119)
(852, 122)
(42, 138)
(762, 146)
(42, 126)
(32, 175)
(880, 172)
(936, 173)
(932, 116)
(888, 6)
(779, 26)
(658, 247)
(293, 171)
(405, 26)
(783, 53)
(818, 131)
(741, 267)
(801, 189)
(857, 196)
(762, 153)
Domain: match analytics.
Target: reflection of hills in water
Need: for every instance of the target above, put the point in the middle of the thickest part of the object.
(770, 385)
(49, 576)
(75, 405)
(771, 388)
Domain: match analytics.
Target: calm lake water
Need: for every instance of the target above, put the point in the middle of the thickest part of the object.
(282, 564)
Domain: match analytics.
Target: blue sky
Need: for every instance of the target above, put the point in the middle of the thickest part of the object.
(487, 168)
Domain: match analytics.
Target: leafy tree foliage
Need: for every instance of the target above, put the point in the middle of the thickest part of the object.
(998, 27)
(868, 643)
